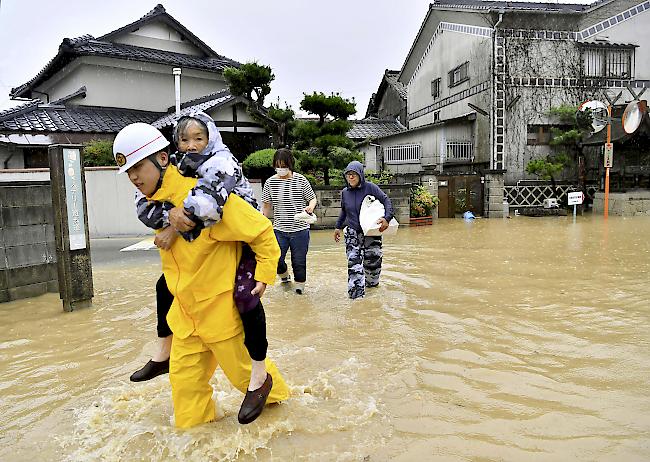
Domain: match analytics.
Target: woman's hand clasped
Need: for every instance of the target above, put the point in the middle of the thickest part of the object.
(179, 220)
(259, 289)
(383, 224)
(165, 238)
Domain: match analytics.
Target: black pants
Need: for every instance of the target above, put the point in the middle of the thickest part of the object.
(254, 322)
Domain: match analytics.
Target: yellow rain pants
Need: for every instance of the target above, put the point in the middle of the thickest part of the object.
(203, 317)
(192, 364)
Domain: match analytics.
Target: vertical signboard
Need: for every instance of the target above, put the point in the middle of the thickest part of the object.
(71, 226)
(609, 155)
(74, 199)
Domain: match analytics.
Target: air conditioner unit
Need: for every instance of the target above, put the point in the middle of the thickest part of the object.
(550, 203)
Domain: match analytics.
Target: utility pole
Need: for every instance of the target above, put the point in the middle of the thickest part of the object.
(609, 149)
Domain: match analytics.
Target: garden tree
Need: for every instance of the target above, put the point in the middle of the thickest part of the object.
(260, 164)
(325, 139)
(248, 79)
(253, 81)
(565, 144)
(280, 123)
(98, 153)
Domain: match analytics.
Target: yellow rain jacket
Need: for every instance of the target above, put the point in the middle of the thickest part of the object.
(201, 274)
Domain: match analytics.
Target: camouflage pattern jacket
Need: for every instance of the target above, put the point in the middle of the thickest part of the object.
(218, 173)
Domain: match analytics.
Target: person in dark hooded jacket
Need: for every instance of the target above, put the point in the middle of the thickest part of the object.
(364, 252)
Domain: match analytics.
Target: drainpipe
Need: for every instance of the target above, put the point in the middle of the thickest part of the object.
(177, 89)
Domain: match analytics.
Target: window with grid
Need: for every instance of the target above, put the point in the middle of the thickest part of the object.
(543, 134)
(609, 62)
(435, 87)
(459, 74)
(402, 154)
(460, 150)
(538, 135)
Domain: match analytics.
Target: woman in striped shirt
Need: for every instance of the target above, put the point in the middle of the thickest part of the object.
(284, 195)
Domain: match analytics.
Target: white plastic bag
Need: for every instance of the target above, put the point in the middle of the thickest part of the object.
(305, 217)
(371, 211)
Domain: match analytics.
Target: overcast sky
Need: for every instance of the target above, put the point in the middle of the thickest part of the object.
(329, 45)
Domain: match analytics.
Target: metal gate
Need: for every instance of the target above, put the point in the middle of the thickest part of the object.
(459, 194)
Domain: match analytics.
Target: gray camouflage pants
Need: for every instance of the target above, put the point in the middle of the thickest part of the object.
(364, 261)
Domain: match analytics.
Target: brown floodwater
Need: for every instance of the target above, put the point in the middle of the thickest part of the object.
(525, 339)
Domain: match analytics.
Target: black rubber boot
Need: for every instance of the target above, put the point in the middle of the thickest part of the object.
(150, 370)
(254, 402)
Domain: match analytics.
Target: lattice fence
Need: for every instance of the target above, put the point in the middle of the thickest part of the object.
(533, 193)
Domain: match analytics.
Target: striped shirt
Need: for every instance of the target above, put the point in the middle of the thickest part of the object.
(288, 197)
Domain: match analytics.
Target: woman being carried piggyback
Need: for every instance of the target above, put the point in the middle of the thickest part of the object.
(203, 155)
(364, 252)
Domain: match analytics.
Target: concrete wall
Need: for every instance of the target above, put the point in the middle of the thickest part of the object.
(27, 248)
(630, 204)
(550, 60)
(532, 109)
(111, 209)
(113, 82)
(329, 204)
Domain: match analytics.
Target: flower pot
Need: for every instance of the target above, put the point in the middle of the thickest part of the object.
(421, 221)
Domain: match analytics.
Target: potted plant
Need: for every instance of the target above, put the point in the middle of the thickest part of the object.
(422, 205)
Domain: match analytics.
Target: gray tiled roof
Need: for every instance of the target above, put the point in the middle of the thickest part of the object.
(512, 6)
(37, 117)
(204, 103)
(87, 45)
(374, 128)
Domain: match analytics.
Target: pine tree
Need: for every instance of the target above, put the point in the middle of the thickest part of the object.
(325, 139)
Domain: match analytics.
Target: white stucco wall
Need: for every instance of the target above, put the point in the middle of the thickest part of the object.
(449, 50)
(158, 36)
(370, 154)
(109, 197)
(128, 84)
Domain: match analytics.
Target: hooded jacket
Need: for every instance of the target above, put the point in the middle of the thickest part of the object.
(201, 274)
(219, 174)
(351, 198)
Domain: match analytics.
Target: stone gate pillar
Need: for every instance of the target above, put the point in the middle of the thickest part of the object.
(493, 193)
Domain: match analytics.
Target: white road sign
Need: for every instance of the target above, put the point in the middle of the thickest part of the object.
(576, 198)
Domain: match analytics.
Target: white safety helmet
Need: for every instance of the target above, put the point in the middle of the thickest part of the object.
(136, 142)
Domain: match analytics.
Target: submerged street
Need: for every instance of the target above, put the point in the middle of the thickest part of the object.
(524, 339)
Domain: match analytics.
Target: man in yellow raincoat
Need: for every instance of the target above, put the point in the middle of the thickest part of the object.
(201, 275)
